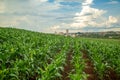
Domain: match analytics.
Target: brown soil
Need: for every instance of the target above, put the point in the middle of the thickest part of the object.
(89, 68)
(67, 67)
(111, 75)
(33, 77)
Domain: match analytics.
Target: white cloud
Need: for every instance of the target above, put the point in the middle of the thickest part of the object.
(54, 28)
(42, 0)
(38, 1)
(92, 17)
(27, 6)
(87, 2)
(113, 2)
(2, 7)
(60, 26)
(42, 13)
(14, 20)
(68, 0)
(22, 13)
(112, 19)
(112, 29)
(87, 16)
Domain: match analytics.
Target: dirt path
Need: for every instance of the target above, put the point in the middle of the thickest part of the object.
(89, 68)
(67, 67)
(111, 75)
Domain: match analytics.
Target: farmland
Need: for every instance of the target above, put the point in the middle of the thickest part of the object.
(27, 55)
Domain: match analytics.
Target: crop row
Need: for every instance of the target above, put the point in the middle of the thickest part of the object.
(26, 55)
(105, 56)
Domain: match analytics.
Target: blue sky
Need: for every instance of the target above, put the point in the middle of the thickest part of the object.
(58, 15)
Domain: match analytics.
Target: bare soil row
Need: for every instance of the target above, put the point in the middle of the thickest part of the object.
(89, 69)
(68, 67)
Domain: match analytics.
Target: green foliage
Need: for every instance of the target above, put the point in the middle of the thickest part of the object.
(26, 55)
(23, 54)
(104, 54)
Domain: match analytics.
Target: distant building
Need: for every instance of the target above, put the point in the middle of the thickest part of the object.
(61, 33)
(67, 32)
(73, 35)
(55, 32)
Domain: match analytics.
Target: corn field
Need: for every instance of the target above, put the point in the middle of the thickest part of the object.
(27, 55)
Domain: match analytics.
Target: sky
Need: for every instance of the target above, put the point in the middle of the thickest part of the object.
(49, 16)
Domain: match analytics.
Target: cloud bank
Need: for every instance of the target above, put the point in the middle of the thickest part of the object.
(58, 15)
(91, 18)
